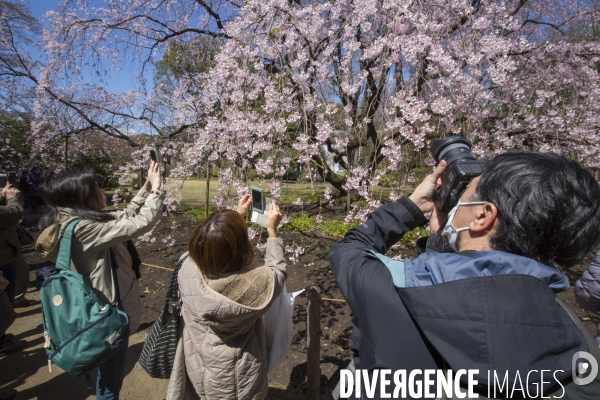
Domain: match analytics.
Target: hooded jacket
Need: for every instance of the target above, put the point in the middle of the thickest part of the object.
(91, 245)
(587, 289)
(223, 349)
(489, 311)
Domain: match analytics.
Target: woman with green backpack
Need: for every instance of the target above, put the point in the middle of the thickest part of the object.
(98, 238)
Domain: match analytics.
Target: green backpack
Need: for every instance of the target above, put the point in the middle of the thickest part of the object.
(81, 332)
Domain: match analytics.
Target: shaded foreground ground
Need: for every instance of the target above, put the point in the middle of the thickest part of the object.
(27, 370)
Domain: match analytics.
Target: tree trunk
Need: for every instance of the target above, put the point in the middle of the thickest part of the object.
(350, 163)
(207, 188)
(330, 177)
(66, 152)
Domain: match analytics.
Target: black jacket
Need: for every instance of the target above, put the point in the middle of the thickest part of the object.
(497, 323)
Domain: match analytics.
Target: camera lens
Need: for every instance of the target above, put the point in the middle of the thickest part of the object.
(451, 149)
(461, 168)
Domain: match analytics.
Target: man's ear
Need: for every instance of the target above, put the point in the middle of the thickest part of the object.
(485, 218)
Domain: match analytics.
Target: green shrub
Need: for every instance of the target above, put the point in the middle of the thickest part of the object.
(411, 237)
(390, 179)
(197, 213)
(299, 223)
(254, 226)
(421, 172)
(251, 174)
(336, 229)
(361, 203)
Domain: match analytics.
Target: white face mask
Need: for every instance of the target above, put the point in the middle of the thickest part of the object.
(449, 230)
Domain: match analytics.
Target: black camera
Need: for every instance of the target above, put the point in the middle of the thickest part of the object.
(461, 168)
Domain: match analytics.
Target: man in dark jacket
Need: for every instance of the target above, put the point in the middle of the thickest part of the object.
(491, 305)
(10, 249)
(10, 246)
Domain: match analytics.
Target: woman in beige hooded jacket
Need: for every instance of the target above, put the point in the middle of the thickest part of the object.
(222, 353)
(77, 195)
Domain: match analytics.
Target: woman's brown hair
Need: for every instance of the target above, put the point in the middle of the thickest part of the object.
(220, 244)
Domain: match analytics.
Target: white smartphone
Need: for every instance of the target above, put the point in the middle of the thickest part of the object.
(260, 206)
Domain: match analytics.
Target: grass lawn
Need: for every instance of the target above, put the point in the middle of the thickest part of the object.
(193, 191)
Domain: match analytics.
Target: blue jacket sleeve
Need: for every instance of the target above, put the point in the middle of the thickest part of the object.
(356, 273)
(587, 289)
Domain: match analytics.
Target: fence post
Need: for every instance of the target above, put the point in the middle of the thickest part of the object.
(313, 362)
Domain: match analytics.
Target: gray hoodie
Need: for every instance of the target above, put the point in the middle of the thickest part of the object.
(223, 348)
(587, 289)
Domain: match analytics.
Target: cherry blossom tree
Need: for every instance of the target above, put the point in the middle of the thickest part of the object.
(21, 89)
(80, 38)
(368, 80)
(18, 29)
(366, 83)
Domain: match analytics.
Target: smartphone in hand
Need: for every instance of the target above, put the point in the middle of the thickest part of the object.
(12, 178)
(260, 206)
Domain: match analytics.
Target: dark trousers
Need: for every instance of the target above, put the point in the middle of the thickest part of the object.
(111, 375)
(9, 271)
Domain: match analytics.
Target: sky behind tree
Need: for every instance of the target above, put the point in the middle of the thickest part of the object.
(121, 81)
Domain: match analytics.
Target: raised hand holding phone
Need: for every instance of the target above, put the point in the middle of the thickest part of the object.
(154, 179)
(244, 204)
(274, 217)
(9, 191)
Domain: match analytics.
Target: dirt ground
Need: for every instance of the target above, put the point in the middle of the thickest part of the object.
(27, 370)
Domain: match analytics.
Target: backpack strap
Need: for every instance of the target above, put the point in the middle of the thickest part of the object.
(63, 261)
(114, 266)
(396, 267)
(593, 347)
(136, 261)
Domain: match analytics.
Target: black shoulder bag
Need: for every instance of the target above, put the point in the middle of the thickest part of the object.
(158, 353)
